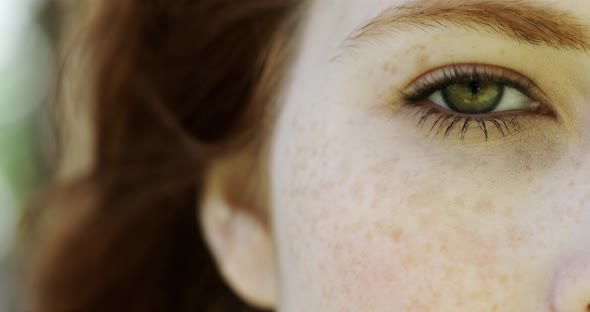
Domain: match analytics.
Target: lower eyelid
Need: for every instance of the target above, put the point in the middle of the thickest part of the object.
(437, 121)
(494, 114)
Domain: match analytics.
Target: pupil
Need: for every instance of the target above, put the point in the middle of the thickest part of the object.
(474, 86)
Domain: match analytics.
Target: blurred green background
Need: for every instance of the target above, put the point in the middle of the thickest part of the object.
(26, 59)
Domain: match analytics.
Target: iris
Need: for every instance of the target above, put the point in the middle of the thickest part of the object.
(473, 97)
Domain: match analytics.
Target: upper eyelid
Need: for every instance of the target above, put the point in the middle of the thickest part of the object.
(470, 66)
(525, 84)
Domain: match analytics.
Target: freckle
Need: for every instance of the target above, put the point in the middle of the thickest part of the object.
(474, 296)
(327, 294)
(353, 227)
(397, 234)
(389, 230)
(528, 168)
(368, 236)
(357, 192)
(313, 125)
(389, 277)
(484, 206)
(503, 278)
(346, 290)
(315, 194)
(382, 188)
(410, 261)
(516, 236)
(443, 249)
(389, 68)
(420, 46)
(516, 277)
(336, 227)
(337, 251)
(419, 201)
(425, 221)
(459, 202)
(422, 61)
(507, 211)
(460, 299)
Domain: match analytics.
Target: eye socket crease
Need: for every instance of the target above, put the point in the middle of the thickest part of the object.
(518, 20)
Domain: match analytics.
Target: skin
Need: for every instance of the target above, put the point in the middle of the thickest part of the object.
(352, 206)
(369, 213)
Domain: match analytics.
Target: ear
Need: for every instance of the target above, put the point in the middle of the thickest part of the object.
(234, 218)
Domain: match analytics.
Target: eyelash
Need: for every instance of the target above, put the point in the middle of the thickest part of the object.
(507, 123)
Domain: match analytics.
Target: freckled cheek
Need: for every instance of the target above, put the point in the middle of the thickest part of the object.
(356, 260)
(324, 225)
(347, 229)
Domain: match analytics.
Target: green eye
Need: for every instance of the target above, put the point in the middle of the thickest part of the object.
(473, 97)
(459, 96)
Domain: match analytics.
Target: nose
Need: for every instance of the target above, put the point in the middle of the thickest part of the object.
(570, 291)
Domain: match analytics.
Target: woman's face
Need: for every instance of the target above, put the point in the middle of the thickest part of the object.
(437, 159)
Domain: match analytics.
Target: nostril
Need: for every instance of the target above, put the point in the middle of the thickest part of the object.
(588, 308)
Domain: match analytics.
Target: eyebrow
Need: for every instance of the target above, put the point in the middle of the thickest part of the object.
(518, 20)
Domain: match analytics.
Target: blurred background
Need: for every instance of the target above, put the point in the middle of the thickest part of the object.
(26, 60)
